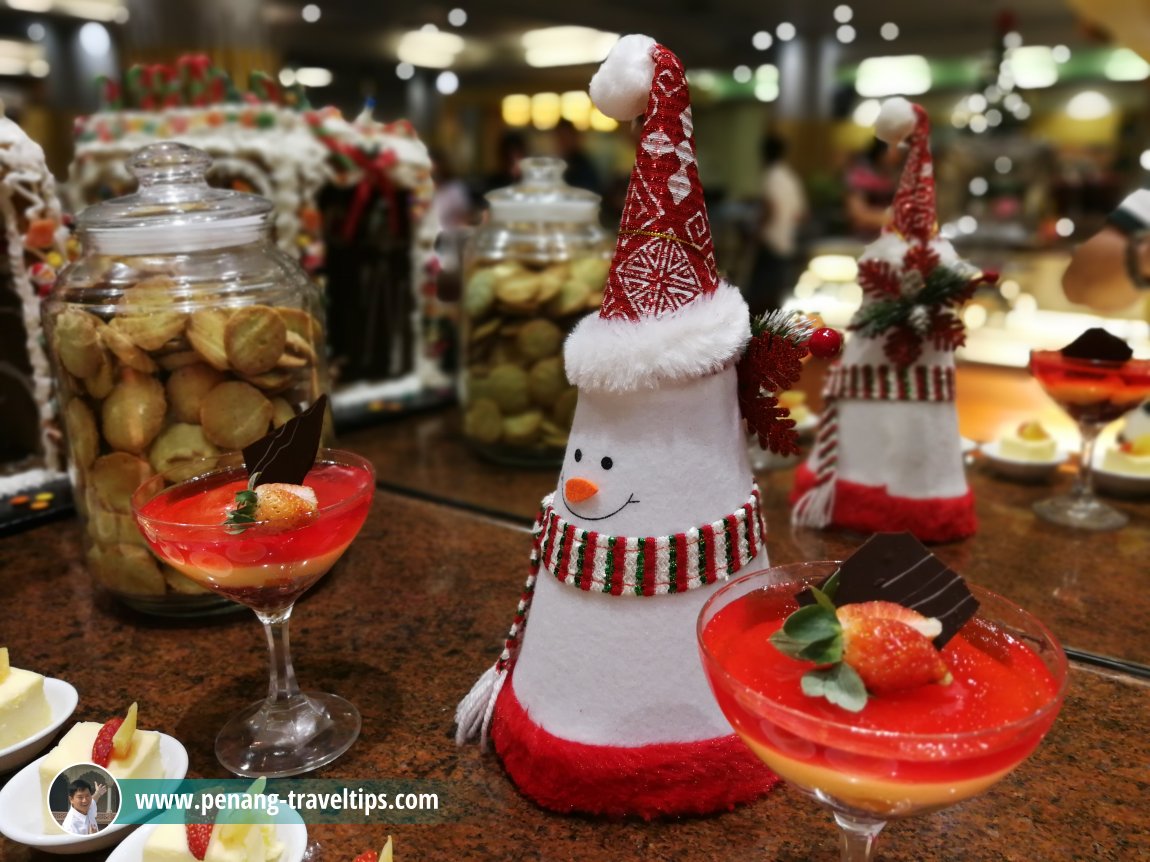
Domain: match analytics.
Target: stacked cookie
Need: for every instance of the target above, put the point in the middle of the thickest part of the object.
(153, 382)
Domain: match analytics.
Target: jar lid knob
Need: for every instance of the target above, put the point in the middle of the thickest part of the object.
(168, 163)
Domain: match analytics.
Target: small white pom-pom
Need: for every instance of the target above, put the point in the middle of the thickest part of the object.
(622, 86)
(896, 120)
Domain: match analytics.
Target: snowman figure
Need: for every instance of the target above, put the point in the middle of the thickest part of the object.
(599, 703)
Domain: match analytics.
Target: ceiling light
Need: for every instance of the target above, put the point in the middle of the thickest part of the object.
(742, 74)
(1088, 105)
(456, 17)
(843, 13)
(95, 39)
(845, 34)
(1060, 53)
(968, 224)
(1021, 112)
(546, 110)
(978, 124)
(1003, 164)
(446, 83)
(310, 13)
(907, 75)
(566, 46)
(39, 68)
(36, 31)
(1034, 67)
(994, 117)
(575, 105)
(600, 122)
(1144, 160)
(889, 31)
(1125, 65)
(287, 77)
(767, 83)
(786, 31)
(979, 186)
(429, 48)
(404, 71)
(30, 5)
(516, 109)
(313, 76)
(1013, 39)
(1064, 227)
(976, 103)
(762, 40)
(866, 114)
(122, 15)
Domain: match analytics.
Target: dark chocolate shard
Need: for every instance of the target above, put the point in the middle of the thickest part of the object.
(1099, 345)
(288, 453)
(896, 567)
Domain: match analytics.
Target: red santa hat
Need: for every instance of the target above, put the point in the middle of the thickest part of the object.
(666, 316)
(913, 211)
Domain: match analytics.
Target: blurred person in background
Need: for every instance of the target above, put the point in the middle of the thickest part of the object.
(452, 200)
(871, 180)
(783, 210)
(511, 150)
(1109, 269)
(581, 171)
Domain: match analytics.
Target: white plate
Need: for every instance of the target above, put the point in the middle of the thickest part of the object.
(293, 836)
(20, 813)
(1118, 484)
(62, 700)
(1016, 468)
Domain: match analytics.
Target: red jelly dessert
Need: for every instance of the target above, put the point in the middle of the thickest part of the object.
(1092, 390)
(263, 565)
(904, 751)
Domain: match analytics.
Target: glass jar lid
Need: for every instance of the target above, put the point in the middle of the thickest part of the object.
(174, 209)
(542, 196)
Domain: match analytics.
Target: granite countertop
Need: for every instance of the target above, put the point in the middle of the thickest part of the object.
(403, 625)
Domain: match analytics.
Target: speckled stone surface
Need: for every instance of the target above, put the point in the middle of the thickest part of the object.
(404, 625)
(1074, 581)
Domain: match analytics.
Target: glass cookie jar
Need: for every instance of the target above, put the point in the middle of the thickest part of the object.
(533, 270)
(181, 332)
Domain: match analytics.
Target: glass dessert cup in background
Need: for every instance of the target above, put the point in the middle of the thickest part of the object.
(267, 568)
(1094, 393)
(868, 775)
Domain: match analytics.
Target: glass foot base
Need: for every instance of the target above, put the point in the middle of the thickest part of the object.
(306, 733)
(1084, 513)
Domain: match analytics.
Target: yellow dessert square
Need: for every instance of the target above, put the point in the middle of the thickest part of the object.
(143, 761)
(24, 710)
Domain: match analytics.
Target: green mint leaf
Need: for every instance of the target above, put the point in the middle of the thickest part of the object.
(812, 633)
(246, 498)
(840, 685)
(826, 651)
(822, 599)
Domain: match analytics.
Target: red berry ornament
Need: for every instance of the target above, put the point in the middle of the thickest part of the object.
(825, 343)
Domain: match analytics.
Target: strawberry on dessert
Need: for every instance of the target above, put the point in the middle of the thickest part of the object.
(384, 855)
(216, 842)
(117, 745)
(1131, 458)
(890, 647)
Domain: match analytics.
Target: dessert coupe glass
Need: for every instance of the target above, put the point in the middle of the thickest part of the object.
(267, 568)
(1094, 392)
(926, 757)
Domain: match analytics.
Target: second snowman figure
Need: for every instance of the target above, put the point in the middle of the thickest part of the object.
(600, 704)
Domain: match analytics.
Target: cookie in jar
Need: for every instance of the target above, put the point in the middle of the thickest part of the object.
(534, 269)
(182, 332)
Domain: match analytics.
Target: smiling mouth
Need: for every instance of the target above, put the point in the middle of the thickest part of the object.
(630, 499)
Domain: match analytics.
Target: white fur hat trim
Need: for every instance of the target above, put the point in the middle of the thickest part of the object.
(622, 355)
(896, 120)
(622, 86)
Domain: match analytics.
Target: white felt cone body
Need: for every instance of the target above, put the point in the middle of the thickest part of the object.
(625, 670)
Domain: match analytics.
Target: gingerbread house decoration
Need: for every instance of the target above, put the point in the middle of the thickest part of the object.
(352, 202)
(35, 247)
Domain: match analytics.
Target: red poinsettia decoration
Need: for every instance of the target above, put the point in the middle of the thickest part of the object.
(771, 364)
(916, 302)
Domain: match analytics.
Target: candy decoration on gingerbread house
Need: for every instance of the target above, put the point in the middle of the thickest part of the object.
(600, 705)
(887, 453)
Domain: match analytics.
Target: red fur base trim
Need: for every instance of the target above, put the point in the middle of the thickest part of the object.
(658, 780)
(870, 509)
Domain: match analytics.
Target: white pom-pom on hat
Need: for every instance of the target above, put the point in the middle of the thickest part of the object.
(622, 86)
(896, 120)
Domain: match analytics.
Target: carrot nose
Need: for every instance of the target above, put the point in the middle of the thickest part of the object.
(577, 490)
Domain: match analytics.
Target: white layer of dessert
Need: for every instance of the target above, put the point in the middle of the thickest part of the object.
(882, 796)
(209, 566)
(143, 761)
(24, 709)
(1023, 449)
(254, 843)
(1128, 463)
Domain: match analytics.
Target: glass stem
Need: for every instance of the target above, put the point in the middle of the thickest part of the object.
(858, 837)
(282, 685)
(1084, 481)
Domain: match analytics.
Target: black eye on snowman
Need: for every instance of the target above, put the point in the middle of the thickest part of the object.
(606, 463)
(578, 454)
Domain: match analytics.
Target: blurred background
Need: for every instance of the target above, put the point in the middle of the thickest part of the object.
(1041, 114)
